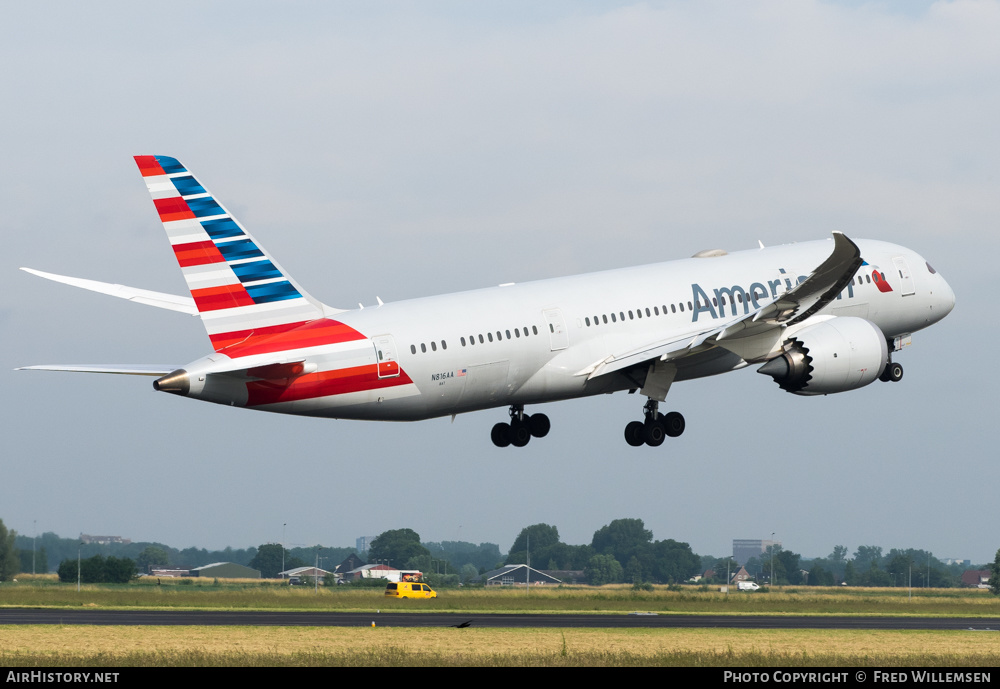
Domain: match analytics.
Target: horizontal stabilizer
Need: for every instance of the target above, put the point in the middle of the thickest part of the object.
(121, 369)
(141, 296)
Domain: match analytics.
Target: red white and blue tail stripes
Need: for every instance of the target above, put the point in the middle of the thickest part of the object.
(240, 292)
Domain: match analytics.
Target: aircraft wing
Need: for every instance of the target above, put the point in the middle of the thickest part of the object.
(799, 303)
(141, 296)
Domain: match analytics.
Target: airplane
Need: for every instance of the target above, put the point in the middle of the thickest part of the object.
(819, 317)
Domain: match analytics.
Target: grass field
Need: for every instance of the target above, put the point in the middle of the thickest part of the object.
(258, 595)
(365, 646)
(97, 646)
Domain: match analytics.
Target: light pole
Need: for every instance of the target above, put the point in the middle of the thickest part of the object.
(283, 547)
(78, 547)
(771, 582)
(33, 539)
(316, 578)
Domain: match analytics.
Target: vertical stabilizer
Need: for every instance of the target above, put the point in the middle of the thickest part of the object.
(240, 292)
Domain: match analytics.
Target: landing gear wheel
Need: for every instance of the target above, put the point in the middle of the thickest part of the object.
(654, 433)
(520, 434)
(674, 424)
(539, 425)
(634, 433)
(501, 434)
(894, 372)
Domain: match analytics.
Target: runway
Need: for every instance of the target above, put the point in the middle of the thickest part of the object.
(23, 616)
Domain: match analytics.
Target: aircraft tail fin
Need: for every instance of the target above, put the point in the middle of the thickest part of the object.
(240, 291)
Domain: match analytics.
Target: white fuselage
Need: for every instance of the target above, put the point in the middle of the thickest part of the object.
(533, 342)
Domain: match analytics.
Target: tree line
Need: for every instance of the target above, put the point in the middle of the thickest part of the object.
(869, 566)
(622, 551)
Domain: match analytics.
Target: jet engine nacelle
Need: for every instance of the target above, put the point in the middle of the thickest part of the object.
(837, 355)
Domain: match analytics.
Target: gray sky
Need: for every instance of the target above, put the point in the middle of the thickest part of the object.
(410, 149)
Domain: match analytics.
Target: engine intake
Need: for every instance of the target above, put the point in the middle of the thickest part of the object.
(836, 355)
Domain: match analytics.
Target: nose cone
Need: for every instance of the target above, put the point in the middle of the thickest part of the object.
(945, 297)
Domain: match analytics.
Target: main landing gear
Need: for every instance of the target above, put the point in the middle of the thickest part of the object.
(520, 429)
(655, 428)
(893, 373)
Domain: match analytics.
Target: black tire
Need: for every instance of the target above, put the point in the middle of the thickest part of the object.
(539, 425)
(501, 435)
(634, 433)
(674, 424)
(520, 434)
(895, 372)
(654, 433)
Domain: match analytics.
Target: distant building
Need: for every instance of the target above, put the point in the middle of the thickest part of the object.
(741, 575)
(363, 544)
(226, 570)
(351, 562)
(383, 572)
(978, 578)
(516, 575)
(746, 548)
(300, 572)
(87, 539)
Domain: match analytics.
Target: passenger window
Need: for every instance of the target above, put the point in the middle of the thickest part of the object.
(434, 347)
(508, 334)
(621, 314)
(463, 341)
(673, 309)
(534, 329)
(656, 310)
(444, 345)
(613, 319)
(647, 312)
(481, 339)
(630, 316)
(499, 336)
(413, 349)
(490, 336)
(682, 307)
(423, 348)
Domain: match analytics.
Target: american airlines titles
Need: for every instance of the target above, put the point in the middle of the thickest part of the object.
(737, 296)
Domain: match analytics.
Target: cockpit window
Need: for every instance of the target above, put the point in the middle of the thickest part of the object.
(930, 268)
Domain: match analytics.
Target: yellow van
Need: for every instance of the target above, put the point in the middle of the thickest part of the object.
(409, 589)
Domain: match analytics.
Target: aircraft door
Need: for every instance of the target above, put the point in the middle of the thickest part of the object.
(385, 356)
(558, 337)
(905, 278)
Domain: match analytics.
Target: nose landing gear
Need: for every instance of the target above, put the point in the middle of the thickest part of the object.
(656, 427)
(521, 428)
